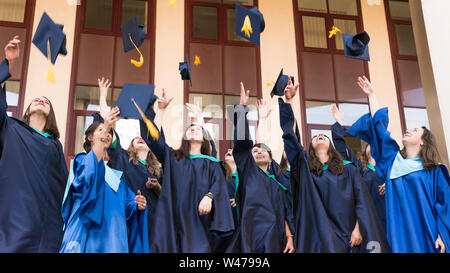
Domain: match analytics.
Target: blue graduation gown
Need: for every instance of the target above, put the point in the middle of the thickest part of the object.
(327, 207)
(370, 176)
(33, 174)
(417, 203)
(178, 226)
(262, 201)
(232, 184)
(99, 211)
(135, 176)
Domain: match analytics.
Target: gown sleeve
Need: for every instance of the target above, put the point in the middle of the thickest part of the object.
(137, 223)
(118, 157)
(4, 75)
(338, 134)
(159, 146)
(441, 204)
(382, 146)
(88, 185)
(4, 71)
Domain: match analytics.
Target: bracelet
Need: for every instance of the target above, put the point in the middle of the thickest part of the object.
(210, 195)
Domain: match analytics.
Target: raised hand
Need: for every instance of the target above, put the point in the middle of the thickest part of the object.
(365, 85)
(263, 109)
(290, 91)
(103, 85)
(111, 117)
(12, 50)
(338, 115)
(163, 101)
(244, 95)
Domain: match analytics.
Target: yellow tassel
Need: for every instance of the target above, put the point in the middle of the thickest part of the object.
(334, 30)
(269, 84)
(172, 3)
(50, 72)
(141, 58)
(150, 127)
(197, 61)
(247, 27)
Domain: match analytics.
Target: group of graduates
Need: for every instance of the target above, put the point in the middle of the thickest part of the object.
(152, 198)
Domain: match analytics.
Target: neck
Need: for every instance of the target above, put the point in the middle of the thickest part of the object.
(231, 166)
(413, 151)
(322, 155)
(264, 166)
(372, 161)
(195, 148)
(38, 121)
(142, 155)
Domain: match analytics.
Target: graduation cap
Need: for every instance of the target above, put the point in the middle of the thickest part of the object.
(280, 84)
(185, 70)
(51, 41)
(133, 36)
(357, 46)
(249, 23)
(134, 100)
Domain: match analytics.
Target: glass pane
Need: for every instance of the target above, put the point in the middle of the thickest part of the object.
(346, 26)
(12, 10)
(231, 26)
(318, 112)
(116, 95)
(138, 8)
(416, 117)
(205, 22)
(410, 83)
(314, 32)
(98, 14)
(240, 65)
(211, 105)
(313, 5)
(207, 75)
(346, 71)
(83, 122)
(318, 80)
(347, 7)
(87, 98)
(242, 2)
(315, 132)
(12, 93)
(352, 112)
(405, 40)
(399, 10)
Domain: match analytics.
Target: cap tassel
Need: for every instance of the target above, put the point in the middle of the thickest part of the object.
(141, 59)
(334, 30)
(150, 127)
(247, 27)
(50, 72)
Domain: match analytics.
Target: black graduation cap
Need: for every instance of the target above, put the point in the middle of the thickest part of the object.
(133, 29)
(47, 30)
(185, 70)
(249, 23)
(357, 46)
(280, 84)
(142, 94)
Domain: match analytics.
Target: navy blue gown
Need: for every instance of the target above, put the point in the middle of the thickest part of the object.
(33, 175)
(344, 198)
(261, 199)
(369, 174)
(417, 200)
(177, 225)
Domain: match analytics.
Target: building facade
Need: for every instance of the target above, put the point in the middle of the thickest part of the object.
(407, 67)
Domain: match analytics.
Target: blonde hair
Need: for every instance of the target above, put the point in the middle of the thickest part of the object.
(152, 162)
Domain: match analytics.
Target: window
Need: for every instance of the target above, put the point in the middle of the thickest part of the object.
(410, 94)
(98, 52)
(226, 60)
(327, 76)
(16, 19)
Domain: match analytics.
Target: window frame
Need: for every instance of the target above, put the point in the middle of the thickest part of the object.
(115, 32)
(223, 41)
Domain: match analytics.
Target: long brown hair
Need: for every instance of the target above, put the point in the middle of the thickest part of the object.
(283, 164)
(152, 162)
(363, 158)
(184, 150)
(50, 125)
(429, 152)
(87, 145)
(335, 161)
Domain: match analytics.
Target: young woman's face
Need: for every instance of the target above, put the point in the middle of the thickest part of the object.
(229, 156)
(139, 144)
(320, 141)
(101, 135)
(413, 137)
(41, 105)
(260, 155)
(195, 133)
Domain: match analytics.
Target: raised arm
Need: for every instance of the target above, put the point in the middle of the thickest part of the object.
(369, 90)
(160, 108)
(242, 141)
(263, 114)
(12, 52)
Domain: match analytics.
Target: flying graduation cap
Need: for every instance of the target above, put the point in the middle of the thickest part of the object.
(133, 36)
(249, 23)
(185, 70)
(280, 84)
(51, 41)
(357, 46)
(135, 101)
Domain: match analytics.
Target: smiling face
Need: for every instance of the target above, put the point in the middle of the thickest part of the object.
(99, 135)
(140, 145)
(194, 133)
(261, 155)
(413, 137)
(320, 141)
(40, 105)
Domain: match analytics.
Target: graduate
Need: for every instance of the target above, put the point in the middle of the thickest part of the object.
(349, 209)
(33, 172)
(141, 170)
(365, 164)
(101, 213)
(417, 188)
(193, 213)
(265, 224)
